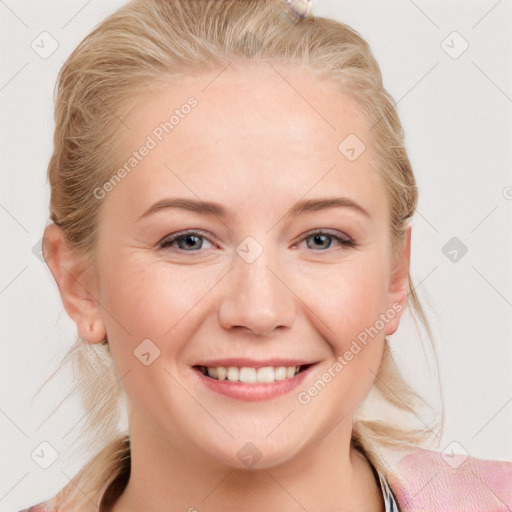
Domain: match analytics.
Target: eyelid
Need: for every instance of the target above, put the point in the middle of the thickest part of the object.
(342, 237)
(168, 239)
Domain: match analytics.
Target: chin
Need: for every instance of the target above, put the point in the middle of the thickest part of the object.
(258, 453)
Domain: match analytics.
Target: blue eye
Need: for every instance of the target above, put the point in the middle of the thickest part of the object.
(192, 241)
(189, 240)
(323, 239)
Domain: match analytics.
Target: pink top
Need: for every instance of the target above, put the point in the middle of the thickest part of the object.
(426, 480)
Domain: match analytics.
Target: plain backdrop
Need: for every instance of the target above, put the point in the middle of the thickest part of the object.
(447, 64)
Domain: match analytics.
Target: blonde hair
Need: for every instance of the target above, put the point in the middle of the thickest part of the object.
(148, 43)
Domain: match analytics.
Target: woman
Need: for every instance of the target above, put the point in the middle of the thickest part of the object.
(231, 202)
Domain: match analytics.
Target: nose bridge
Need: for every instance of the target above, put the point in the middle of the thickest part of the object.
(255, 296)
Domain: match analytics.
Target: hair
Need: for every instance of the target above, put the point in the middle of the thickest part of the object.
(148, 44)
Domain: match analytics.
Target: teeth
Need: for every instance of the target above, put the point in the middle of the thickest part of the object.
(232, 374)
(280, 373)
(290, 372)
(265, 374)
(249, 375)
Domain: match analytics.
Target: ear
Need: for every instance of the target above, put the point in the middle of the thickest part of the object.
(399, 283)
(76, 282)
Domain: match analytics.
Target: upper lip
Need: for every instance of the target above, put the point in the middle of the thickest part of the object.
(240, 362)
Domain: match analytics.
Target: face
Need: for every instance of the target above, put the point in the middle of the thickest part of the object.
(269, 275)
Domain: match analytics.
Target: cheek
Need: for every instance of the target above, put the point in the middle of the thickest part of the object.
(351, 301)
(152, 300)
(352, 312)
(355, 307)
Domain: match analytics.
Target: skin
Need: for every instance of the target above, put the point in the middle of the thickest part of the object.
(256, 147)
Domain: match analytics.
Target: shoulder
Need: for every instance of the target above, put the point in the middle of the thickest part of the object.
(430, 480)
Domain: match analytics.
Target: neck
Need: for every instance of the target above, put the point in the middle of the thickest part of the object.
(331, 475)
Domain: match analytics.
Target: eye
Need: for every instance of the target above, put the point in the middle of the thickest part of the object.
(323, 240)
(192, 240)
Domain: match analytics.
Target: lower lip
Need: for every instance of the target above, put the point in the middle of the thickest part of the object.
(254, 392)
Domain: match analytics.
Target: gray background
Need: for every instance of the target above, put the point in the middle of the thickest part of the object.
(456, 111)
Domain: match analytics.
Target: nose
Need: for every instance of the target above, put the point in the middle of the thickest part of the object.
(256, 297)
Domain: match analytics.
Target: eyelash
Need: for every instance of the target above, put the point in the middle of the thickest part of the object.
(347, 242)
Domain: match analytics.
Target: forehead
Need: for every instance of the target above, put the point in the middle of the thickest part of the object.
(262, 129)
(255, 101)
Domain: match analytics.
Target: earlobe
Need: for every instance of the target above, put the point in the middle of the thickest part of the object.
(75, 281)
(399, 283)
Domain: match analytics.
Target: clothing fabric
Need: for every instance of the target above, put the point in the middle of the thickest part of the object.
(389, 498)
(429, 481)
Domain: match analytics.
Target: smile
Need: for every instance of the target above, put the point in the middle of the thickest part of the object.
(250, 380)
(251, 375)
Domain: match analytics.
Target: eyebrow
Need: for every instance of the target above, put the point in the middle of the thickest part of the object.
(210, 208)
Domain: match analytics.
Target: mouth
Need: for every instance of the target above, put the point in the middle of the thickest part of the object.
(251, 374)
(250, 380)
